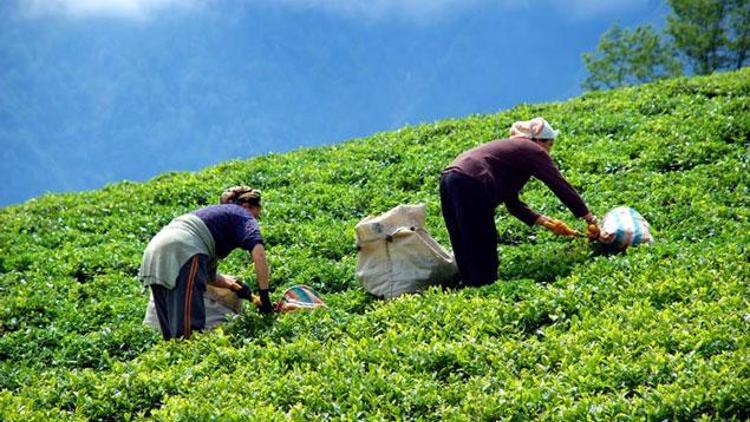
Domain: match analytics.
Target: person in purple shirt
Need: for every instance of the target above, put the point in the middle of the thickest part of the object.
(182, 259)
(494, 173)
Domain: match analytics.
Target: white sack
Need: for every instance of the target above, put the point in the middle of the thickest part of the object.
(397, 255)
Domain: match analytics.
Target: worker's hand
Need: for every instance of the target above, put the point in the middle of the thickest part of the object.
(557, 227)
(592, 228)
(266, 307)
(592, 231)
(242, 290)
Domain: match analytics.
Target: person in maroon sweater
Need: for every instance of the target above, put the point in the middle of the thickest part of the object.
(482, 178)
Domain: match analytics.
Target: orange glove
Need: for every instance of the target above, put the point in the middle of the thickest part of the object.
(558, 227)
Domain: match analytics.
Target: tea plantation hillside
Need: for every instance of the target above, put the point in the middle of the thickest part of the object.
(662, 332)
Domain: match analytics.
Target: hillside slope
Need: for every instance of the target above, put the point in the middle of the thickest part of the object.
(659, 332)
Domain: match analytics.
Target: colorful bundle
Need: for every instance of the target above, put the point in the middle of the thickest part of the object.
(299, 297)
(623, 227)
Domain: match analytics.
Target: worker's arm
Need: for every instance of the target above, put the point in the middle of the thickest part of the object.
(224, 281)
(261, 265)
(253, 242)
(520, 210)
(261, 273)
(544, 169)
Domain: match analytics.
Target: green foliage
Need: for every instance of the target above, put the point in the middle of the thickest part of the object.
(661, 332)
(696, 26)
(711, 34)
(738, 28)
(627, 57)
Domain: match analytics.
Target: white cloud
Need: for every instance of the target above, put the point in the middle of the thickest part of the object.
(131, 9)
(420, 11)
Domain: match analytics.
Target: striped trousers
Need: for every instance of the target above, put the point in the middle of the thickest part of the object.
(180, 310)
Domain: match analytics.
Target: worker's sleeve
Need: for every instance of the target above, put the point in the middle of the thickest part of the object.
(544, 169)
(251, 235)
(521, 211)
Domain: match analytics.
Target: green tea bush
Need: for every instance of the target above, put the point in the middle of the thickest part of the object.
(661, 332)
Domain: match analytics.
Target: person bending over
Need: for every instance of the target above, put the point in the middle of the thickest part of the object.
(482, 178)
(182, 258)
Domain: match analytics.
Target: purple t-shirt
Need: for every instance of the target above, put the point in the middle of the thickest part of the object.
(231, 227)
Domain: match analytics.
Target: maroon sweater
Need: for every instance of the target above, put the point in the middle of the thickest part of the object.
(505, 165)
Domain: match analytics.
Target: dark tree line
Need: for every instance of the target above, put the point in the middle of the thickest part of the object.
(701, 36)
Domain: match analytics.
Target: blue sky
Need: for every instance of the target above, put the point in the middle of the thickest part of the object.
(97, 91)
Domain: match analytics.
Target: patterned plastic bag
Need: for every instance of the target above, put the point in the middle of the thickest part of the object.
(299, 297)
(623, 227)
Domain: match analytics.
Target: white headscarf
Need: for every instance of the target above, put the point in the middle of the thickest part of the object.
(536, 128)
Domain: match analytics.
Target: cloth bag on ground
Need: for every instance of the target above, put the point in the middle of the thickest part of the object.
(397, 255)
(220, 305)
(623, 227)
(300, 297)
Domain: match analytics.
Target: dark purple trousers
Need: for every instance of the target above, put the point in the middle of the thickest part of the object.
(470, 218)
